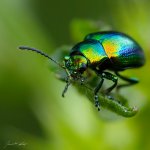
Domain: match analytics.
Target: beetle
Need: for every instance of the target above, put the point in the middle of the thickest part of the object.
(100, 51)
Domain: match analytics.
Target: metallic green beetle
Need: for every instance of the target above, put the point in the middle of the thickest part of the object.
(109, 50)
(99, 51)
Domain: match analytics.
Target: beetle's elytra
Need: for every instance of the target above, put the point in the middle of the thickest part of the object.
(99, 51)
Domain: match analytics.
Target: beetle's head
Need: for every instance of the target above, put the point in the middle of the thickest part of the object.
(76, 65)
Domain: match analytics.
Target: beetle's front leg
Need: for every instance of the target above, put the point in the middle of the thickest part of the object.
(68, 82)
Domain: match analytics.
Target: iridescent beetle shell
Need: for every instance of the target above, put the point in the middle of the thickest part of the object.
(110, 50)
(122, 50)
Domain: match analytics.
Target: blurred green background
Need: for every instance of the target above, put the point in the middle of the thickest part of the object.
(33, 115)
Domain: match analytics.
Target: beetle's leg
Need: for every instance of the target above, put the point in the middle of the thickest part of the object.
(130, 80)
(111, 77)
(66, 87)
(96, 101)
(108, 76)
(68, 81)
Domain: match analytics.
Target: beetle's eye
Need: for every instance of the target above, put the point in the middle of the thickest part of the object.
(83, 66)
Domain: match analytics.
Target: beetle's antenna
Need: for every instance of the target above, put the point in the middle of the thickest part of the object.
(42, 53)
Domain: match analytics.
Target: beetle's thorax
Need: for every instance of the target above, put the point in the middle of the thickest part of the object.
(92, 50)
